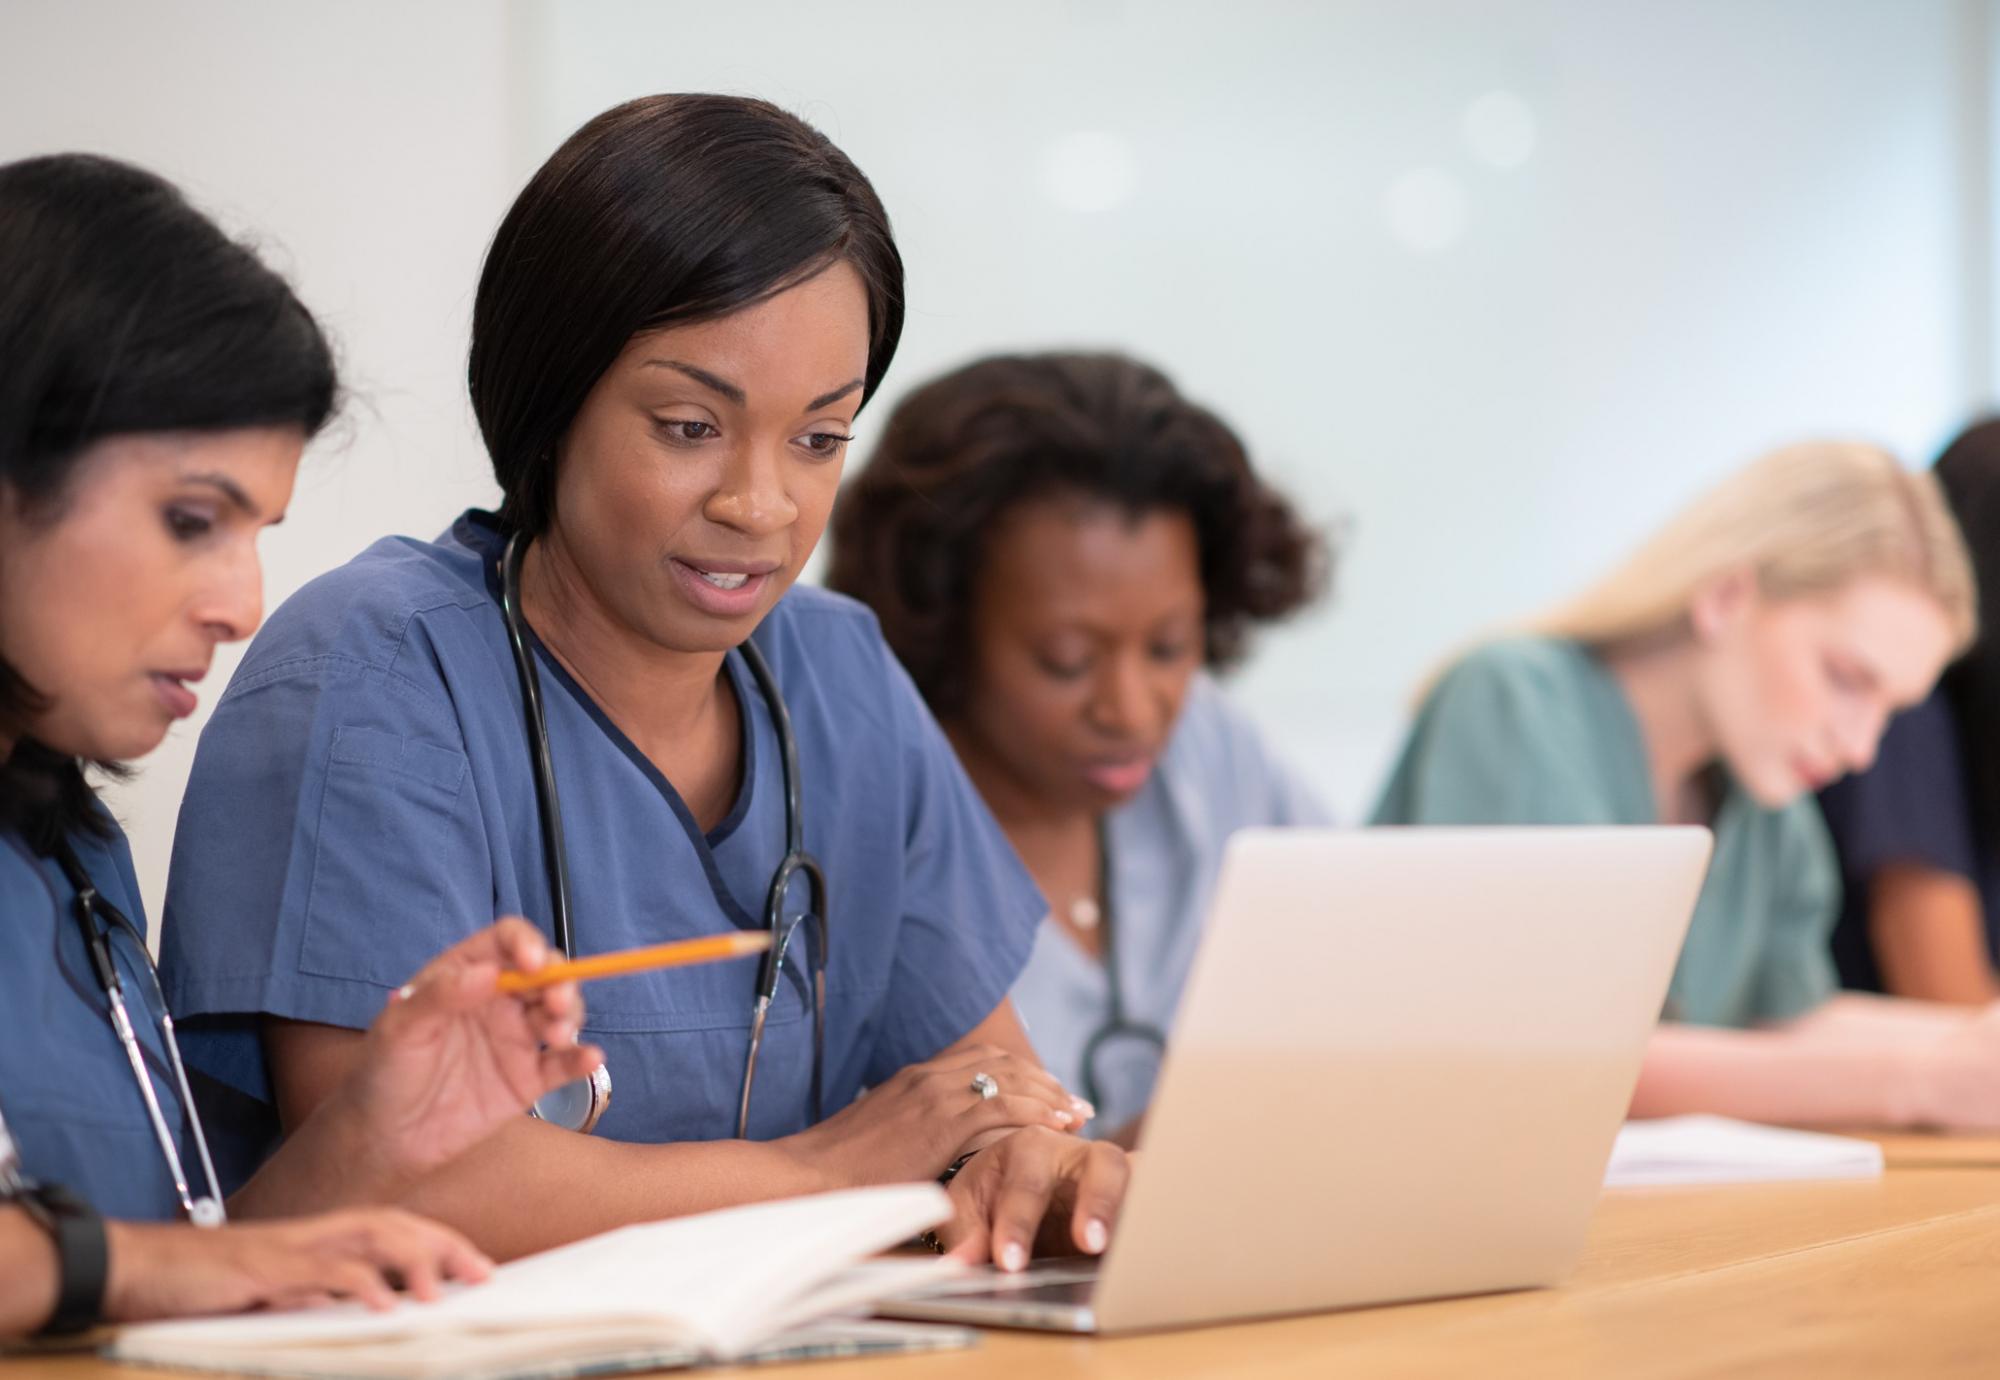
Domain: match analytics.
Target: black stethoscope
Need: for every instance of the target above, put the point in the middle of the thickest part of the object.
(579, 1105)
(101, 923)
(1117, 1025)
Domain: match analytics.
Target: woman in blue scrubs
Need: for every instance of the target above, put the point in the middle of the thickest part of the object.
(159, 385)
(1057, 546)
(677, 323)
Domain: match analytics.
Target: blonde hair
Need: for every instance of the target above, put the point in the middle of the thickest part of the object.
(1805, 519)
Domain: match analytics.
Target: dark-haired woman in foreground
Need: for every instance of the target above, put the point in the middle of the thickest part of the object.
(1057, 545)
(159, 384)
(677, 322)
(1918, 833)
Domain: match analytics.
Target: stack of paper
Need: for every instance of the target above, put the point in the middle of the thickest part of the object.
(1717, 1150)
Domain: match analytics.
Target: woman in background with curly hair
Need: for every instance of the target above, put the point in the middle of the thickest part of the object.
(1058, 547)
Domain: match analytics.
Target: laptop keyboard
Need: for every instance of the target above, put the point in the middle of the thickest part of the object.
(1075, 1293)
(1075, 1277)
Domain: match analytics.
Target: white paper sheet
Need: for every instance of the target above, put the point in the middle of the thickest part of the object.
(1715, 1150)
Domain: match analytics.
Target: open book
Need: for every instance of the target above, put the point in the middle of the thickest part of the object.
(751, 1281)
(1715, 1150)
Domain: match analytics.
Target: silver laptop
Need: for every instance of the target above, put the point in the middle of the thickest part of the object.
(1397, 1071)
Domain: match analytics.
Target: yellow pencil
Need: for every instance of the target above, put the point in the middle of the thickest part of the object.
(708, 949)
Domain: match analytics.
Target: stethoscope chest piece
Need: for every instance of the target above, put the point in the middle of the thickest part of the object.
(577, 1105)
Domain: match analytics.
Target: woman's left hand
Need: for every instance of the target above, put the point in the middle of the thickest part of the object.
(1036, 1190)
(452, 1058)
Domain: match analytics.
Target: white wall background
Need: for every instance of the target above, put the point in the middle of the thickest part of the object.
(1502, 335)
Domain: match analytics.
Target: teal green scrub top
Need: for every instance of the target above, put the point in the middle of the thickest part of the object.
(1537, 731)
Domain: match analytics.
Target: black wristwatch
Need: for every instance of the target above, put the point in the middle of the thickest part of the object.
(82, 1254)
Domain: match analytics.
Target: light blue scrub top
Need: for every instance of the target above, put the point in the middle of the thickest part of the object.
(362, 798)
(66, 1086)
(1215, 777)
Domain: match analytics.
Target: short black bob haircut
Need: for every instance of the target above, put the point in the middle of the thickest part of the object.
(664, 211)
(123, 311)
(910, 530)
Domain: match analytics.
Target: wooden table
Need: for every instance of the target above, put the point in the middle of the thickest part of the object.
(1896, 1277)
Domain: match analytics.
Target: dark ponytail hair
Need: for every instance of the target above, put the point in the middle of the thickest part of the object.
(663, 211)
(123, 311)
(1969, 472)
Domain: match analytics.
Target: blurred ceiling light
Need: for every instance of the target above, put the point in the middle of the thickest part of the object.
(1090, 171)
(1500, 130)
(1425, 209)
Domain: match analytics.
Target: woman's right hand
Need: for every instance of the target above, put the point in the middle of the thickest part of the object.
(916, 1123)
(452, 1058)
(168, 1270)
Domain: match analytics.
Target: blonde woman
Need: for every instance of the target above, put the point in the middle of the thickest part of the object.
(1748, 654)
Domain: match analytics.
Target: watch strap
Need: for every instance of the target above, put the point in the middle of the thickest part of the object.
(83, 1255)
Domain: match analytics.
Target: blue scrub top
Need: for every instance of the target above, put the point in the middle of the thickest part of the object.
(1912, 806)
(66, 1086)
(1165, 849)
(362, 798)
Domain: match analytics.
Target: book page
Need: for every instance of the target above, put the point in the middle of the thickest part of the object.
(717, 1282)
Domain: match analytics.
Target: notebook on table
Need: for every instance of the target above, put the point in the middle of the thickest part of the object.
(770, 1281)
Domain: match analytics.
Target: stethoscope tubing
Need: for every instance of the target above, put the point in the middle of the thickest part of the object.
(1116, 1024)
(548, 805)
(796, 861)
(91, 909)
